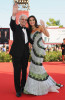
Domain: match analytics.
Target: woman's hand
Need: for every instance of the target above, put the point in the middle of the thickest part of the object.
(42, 23)
(43, 28)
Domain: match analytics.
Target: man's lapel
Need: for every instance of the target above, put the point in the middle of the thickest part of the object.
(22, 33)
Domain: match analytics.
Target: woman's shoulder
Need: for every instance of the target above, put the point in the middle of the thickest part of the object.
(39, 27)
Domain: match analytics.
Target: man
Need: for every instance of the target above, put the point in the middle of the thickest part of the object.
(6, 37)
(63, 50)
(0, 37)
(19, 50)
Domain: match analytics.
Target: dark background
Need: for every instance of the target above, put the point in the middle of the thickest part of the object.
(4, 38)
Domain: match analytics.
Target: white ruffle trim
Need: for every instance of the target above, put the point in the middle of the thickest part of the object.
(40, 87)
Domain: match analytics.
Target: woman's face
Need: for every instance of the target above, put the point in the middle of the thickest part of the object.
(32, 21)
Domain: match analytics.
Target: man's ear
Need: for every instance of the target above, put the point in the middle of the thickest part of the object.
(19, 21)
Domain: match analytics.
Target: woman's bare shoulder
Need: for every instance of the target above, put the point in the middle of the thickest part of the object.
(40, 28)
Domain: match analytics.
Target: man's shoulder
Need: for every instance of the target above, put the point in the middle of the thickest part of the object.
(27, 28)
(18, 25)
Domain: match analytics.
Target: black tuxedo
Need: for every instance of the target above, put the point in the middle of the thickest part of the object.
(20, 54)
(17, 48)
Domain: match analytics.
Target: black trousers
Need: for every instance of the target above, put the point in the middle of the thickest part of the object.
(20, 64)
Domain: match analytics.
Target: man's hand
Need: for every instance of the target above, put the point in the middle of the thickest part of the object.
(15, 9)
(62, 48)
(30, 46)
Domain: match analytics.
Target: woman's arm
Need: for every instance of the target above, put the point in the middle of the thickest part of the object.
(43, 28)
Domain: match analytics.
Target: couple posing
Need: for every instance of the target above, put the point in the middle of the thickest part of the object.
(38, 81)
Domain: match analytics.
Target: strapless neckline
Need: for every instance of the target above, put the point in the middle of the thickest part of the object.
(35, 32)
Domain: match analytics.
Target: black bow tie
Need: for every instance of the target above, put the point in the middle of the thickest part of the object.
(23, 27)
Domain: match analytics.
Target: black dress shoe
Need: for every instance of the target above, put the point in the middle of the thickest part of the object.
(18, 94)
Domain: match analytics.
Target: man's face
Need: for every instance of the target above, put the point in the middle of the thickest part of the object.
(23, 21)
(64, 41)
(5, 32)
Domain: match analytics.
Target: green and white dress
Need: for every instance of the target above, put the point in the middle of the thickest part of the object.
(38, 81)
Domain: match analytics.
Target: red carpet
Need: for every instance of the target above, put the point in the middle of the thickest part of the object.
(7, 91)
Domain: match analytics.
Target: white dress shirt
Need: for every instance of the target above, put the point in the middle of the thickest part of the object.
(24, 30)
(25, 33)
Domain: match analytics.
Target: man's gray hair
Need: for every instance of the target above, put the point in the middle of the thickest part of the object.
(22, 16)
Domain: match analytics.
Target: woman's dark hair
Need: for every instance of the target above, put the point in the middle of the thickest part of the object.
(30, 27)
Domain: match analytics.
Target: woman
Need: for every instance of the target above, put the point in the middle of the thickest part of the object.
(38, 81)
(63, 50)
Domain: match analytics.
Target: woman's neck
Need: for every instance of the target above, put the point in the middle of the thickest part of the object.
(33, 28)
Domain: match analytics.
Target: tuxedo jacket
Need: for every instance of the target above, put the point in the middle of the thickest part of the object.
(18, 45)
